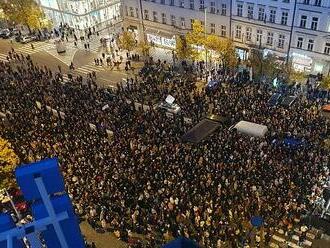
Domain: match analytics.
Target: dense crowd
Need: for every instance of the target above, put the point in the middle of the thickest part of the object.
(144, 179)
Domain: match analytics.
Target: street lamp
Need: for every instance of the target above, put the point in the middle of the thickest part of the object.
(205, 21)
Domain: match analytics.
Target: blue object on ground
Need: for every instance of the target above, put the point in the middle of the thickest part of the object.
(181, 243)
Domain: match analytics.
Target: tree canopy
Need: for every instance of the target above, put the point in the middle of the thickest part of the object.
(25, 12)
(127, 41)
(8, 162)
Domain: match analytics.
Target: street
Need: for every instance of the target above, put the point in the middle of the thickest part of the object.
(44, 53)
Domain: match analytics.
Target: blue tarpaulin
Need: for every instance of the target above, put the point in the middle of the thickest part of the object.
(181, 243)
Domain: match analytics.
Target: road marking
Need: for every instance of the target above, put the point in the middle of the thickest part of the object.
(3, 57)
(38, 47)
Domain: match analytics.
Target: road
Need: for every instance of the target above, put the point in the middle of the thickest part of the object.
(44, 53)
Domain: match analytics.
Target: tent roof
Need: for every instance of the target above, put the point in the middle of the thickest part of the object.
(250, 128)
(181, 243)
(200, 131)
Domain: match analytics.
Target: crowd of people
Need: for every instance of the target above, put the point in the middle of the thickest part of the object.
(143, 179)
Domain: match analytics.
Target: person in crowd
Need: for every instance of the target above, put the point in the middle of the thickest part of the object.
(144, 179)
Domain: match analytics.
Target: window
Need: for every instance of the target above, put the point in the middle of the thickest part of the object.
(303, 21)
(306, 1)
(181, 3)
(310, 45)
(261, 14)
(270, 38)
(131, 11)
(173, 22)
(238, 32)
(153, 1)
(248, 34)
(223, 9)
(286, 1)
(212, 28)
(284, 20)
(172, 2)
(146, 14)
(137, 12)
(259, 36)
(212, 7)
(155, 17)
(318, 2)
(315, 20)
(183, 22)
(162, 1)
(250, 11)
(223, 30)
(327, 48)
(272, 15)
(281, 39)
(192, 4)
(163, 18)
(300, 42)
(201, 4)
(239, 9)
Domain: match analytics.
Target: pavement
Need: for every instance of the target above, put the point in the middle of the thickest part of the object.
(44, 53)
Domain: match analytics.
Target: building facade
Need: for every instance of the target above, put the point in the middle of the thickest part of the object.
(295, 29)
(82, 14)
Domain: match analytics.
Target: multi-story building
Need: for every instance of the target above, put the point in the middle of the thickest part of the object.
(82, 14)
(297, 29)
(310, 46)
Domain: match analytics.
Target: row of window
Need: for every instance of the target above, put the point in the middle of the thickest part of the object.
(262, 14)
(270, 36)
(312, 2)
(181, 4)
(310, 45)
(314, 23)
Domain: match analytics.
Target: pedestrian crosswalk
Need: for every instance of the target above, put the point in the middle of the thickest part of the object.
(3, 57)
(37, 47)
(90, 67)
(282, 239)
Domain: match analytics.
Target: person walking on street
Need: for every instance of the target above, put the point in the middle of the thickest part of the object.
(88, 46)
(32, 46)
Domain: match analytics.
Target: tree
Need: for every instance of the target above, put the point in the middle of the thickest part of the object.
(263, 67)
(25, 12)
(145, 47)
(290, 74)
(183, 50)
(326, 82)
(127, 41)
(229, 56)
(8, 162)
(196, 36)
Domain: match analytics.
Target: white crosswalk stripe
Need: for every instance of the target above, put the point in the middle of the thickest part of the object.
(38, 47)
(89, 68)
(3, 57)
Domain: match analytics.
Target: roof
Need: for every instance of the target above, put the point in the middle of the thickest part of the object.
(251, 128)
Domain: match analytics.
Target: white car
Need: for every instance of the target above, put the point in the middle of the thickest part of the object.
(27, 39)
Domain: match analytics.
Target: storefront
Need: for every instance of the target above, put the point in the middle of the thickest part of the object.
(82, 14)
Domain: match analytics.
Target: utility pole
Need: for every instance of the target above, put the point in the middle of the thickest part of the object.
(291, 31)
(142, 23)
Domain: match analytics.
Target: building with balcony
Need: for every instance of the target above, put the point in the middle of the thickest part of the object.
(82, 14)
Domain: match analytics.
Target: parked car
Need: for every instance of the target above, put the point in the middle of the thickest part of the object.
(5, 33)
(27, 39)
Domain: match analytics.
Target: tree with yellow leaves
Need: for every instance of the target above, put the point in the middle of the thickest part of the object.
(8, 162)
(183, 50)
(144, 47)
(25, 12)
(127, 41)
(197, 35)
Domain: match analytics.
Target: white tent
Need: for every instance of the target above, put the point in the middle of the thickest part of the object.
(250, 128)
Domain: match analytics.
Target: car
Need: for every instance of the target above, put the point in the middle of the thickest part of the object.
(5, 33)
(27, 39)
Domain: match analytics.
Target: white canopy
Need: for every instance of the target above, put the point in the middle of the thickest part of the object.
(250, 128)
